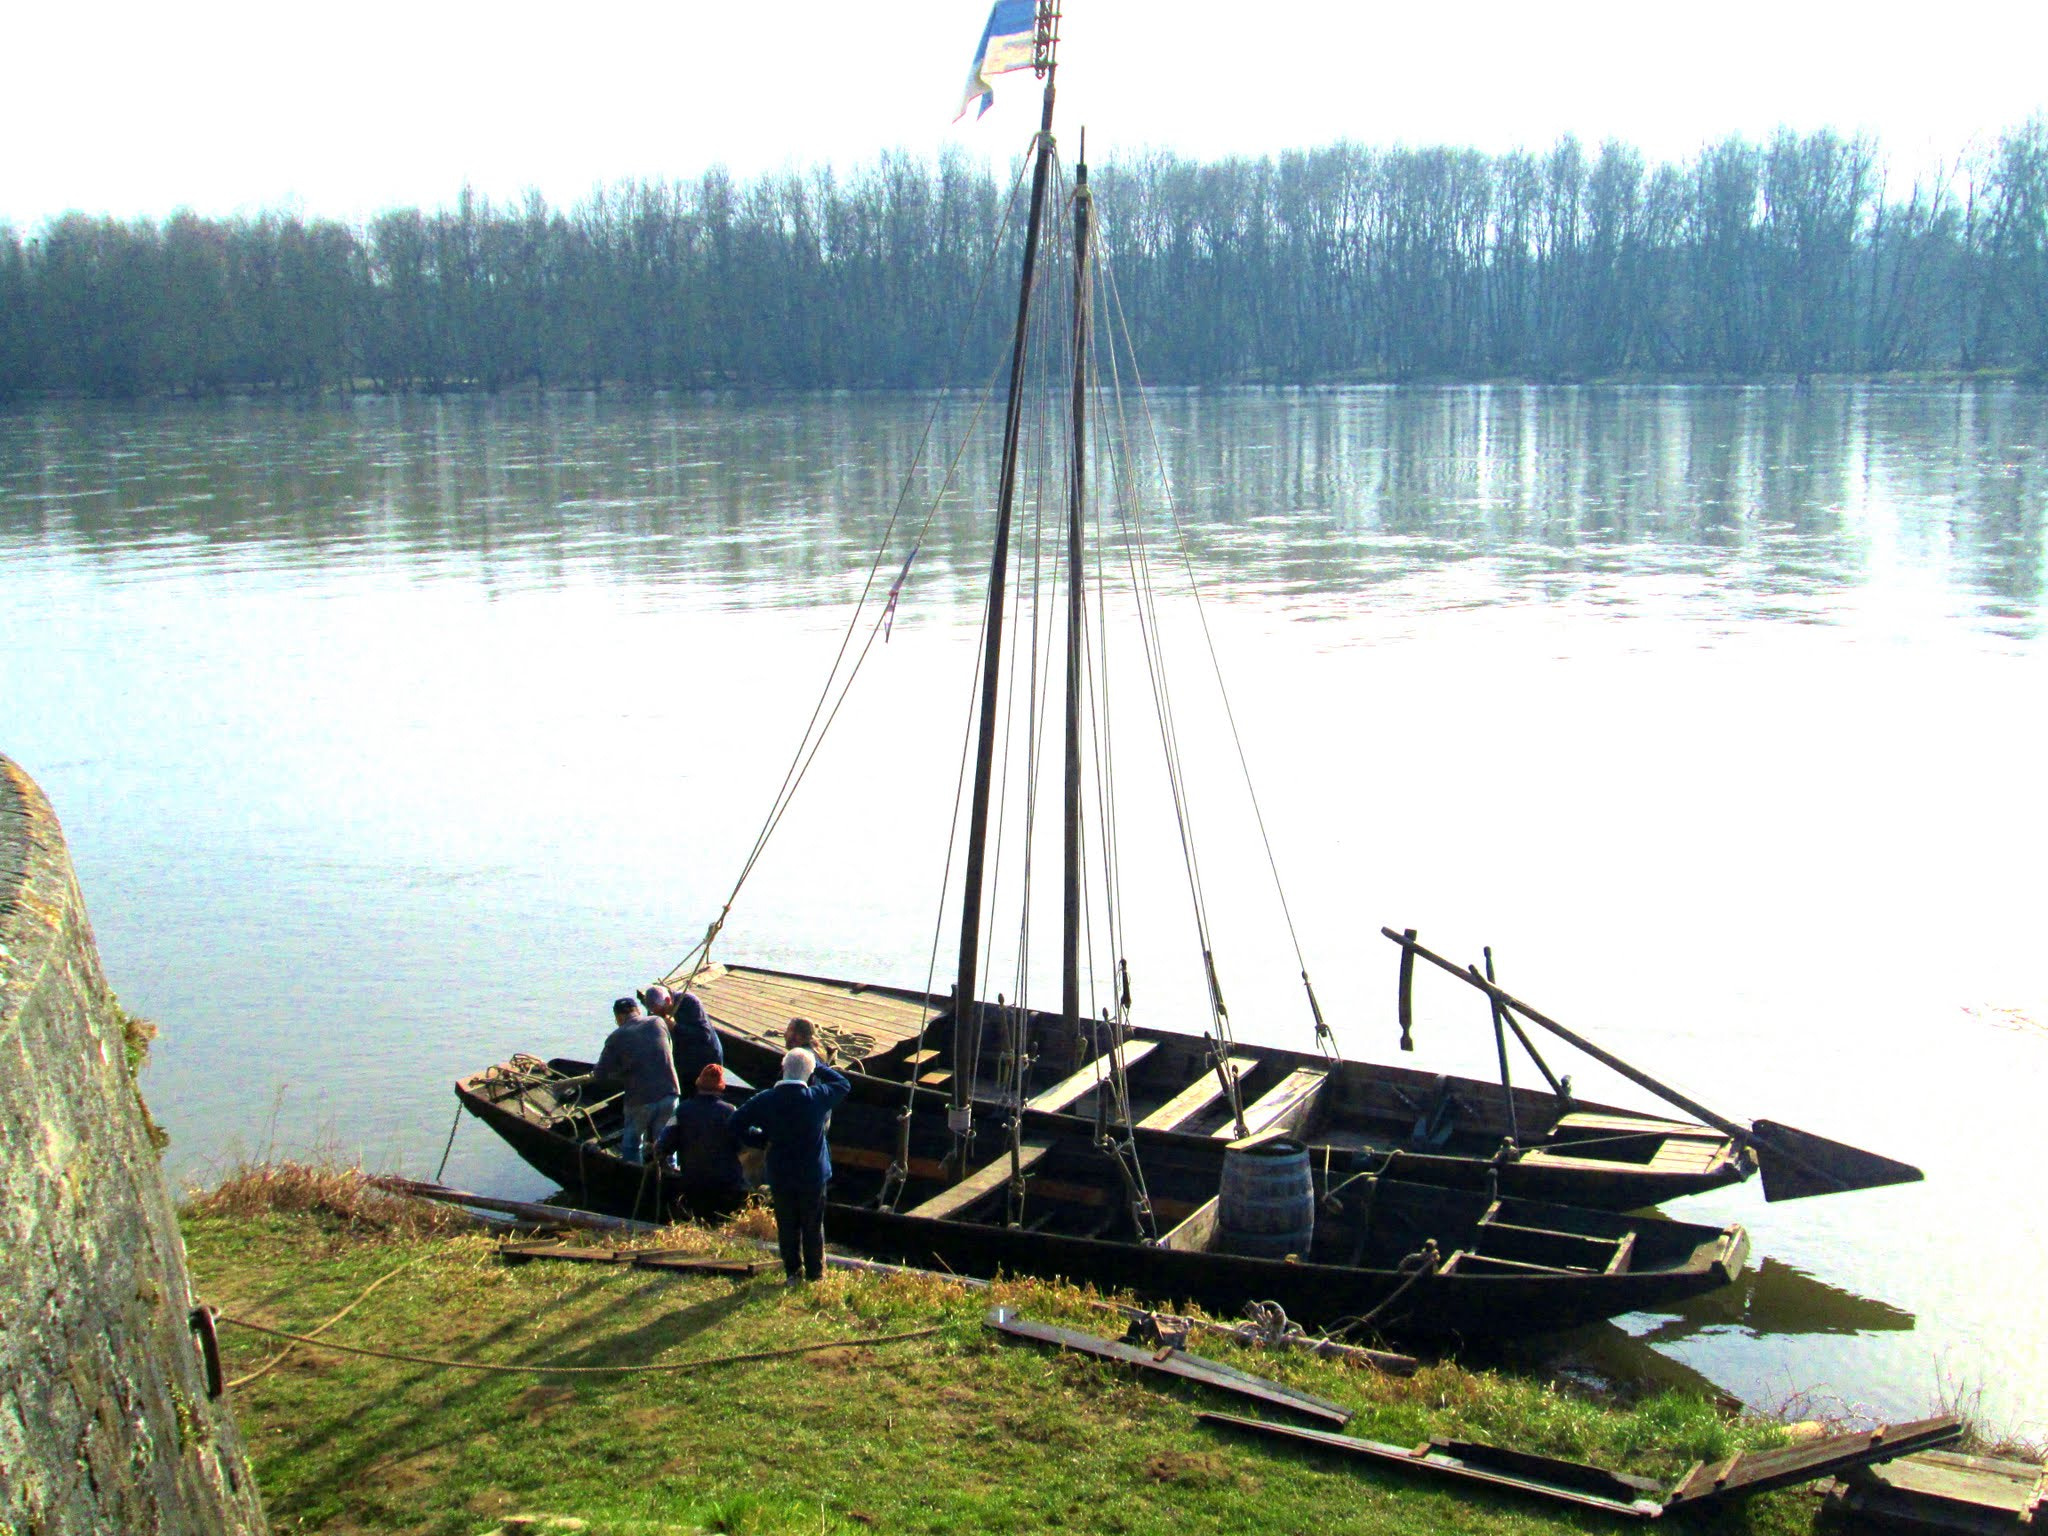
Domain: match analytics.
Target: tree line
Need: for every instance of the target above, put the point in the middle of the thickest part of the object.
(1789, 257)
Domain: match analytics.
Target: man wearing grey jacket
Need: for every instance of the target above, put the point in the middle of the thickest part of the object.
(636, 1056)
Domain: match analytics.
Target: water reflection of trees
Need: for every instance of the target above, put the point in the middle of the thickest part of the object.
(1782, 492)
(1763, 494)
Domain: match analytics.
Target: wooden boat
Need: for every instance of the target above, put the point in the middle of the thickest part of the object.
(1090, 1061)
(1412, 1125)
(1116, 1133)
(1500, 1266)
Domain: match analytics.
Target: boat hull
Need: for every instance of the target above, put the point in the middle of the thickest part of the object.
(1075, 1224)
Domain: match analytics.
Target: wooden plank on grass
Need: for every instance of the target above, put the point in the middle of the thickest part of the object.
(1174, 1362)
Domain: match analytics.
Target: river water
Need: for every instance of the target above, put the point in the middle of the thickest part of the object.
(395, 736)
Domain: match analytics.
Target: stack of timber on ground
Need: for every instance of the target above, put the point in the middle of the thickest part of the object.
(1948, 1491)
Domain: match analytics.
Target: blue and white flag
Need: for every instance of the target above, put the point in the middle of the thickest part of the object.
(1007, 43)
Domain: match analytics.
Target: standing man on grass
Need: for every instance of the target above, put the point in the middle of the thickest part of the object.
(791, 1118)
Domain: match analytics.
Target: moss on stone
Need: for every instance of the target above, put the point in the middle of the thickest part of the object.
(136, 1034)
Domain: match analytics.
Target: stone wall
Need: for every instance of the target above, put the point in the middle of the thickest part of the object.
(105, 1425)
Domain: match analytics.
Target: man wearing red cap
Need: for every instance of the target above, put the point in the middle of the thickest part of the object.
(706, 1151)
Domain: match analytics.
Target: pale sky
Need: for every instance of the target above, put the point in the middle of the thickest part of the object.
(231, 106)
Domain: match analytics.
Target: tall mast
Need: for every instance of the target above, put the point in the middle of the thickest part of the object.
(966, 1002)
(1070, 928)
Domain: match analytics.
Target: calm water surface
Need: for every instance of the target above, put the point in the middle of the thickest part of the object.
(396, 736)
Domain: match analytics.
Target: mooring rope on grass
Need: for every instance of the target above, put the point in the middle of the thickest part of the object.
(278, 1358)
(574, 1370)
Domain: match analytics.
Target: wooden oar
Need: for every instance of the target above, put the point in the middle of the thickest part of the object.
(553, 1215)
(1794, 1163)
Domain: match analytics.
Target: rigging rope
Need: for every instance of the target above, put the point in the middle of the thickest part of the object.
(814, 733)
(898, 1173)
(1138, 562)
(1324, 1035)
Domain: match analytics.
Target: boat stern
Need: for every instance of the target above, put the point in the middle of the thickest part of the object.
(1725, 1255)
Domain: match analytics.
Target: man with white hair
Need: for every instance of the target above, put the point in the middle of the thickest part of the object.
(791, 1118)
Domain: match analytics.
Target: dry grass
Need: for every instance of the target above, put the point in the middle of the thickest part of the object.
(755, 1220)
(336, 1195)
(1965, 1399)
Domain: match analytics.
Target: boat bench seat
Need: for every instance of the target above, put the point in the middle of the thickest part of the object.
(1592, 1123)
(984, 1180)
(1065, 1092)
(1464, 1261)
(1495, 1241)
(1290, 1100)
(1193, 1099)
(1688, 1154)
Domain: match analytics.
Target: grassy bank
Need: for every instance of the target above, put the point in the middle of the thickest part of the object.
(947, 1432)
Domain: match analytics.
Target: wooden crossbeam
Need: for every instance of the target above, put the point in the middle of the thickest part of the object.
(1288, 1102)
(1090, 1077)
(982, 1181)
(1193, 1099)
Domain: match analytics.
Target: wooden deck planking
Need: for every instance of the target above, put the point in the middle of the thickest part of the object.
(1193, 1099)
(841, 998)
(867, 1023)
(1091, 1076)
(886, 1016)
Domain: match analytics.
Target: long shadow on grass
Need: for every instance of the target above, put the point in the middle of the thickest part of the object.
(645, 1343)
(431, 1381)
(423, 1401)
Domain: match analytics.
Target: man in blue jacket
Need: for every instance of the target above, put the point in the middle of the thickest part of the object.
(691, 1038)
(791, 1119)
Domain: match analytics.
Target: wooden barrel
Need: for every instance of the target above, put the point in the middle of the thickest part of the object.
(1267, 1206)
